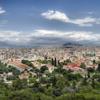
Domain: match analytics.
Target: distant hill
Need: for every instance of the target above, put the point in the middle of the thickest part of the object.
(69, 44)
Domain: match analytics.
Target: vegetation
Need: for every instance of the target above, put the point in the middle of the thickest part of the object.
(27, 62)
(61, 84)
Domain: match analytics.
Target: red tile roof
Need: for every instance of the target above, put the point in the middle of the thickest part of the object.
(19, 64)
(73, 65)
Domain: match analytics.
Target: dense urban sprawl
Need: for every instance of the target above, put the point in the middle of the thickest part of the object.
(71, 73)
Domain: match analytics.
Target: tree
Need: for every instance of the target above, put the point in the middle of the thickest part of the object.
(49, 91)
(94, 61)
(90, 70)
(55, 62)
(61, 82)
(53, 80)
(57, 92)
(98, 68)
(74, 84)
(3, 68)
(93, 83)
(84, 82)
(72, 76)
(14, 70)
(21, 95)
(66, 62)
(96, 76)
(83, 65)
(52, 61)
(43, 69)
(19, 84)
(27, 63)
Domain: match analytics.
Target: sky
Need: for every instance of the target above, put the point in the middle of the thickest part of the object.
(33, 23)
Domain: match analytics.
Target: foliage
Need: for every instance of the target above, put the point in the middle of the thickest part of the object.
(27, 62)
(61, 84)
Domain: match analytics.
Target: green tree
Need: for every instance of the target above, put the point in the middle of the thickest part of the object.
(83, 65)
(55, 62)
(43, 69)
(27, 62)
(98, 68)
(19, 84)
(21, 95)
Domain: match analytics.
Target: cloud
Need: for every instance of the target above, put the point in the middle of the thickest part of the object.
(2, 11)
(41, 37)
(70, 35)
(88, 21)
(55, 15)
(60, 16)
(14, 38)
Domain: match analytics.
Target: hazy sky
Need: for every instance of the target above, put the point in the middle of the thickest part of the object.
(29, 23)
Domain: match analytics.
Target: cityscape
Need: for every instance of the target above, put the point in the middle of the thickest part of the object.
(64, 72)
(49, 49)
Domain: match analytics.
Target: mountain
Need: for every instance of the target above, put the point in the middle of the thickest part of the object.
(69, 44)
